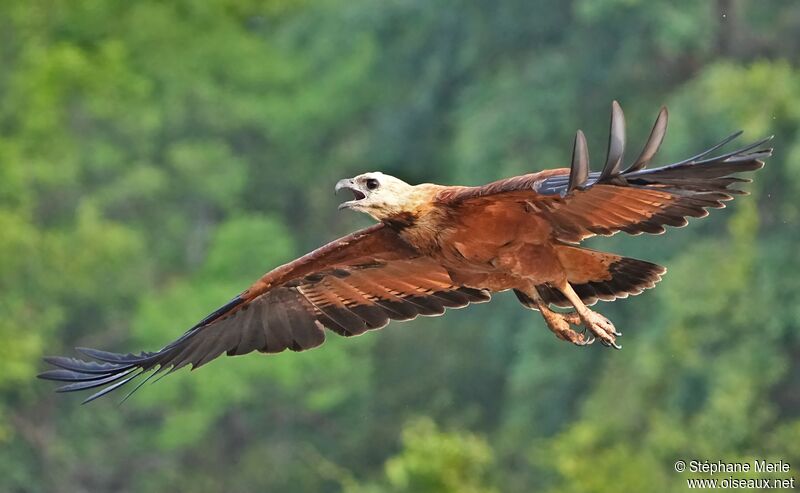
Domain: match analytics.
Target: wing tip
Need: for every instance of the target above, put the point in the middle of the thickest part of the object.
(575, 180)
(104, 369)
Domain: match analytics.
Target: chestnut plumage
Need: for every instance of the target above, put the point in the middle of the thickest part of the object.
(437, 247)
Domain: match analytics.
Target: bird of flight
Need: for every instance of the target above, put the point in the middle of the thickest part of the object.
(437, 247)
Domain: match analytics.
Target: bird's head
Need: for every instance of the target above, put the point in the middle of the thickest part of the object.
(379, 195)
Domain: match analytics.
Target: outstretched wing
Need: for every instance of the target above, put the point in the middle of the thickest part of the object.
(579, 203)
(352, 285)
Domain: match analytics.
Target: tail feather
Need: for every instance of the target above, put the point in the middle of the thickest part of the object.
(598, 276)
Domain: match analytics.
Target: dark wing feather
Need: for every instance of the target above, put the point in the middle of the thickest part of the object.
(357, 283)
(638, 200)
(616, 143)
(579, 172)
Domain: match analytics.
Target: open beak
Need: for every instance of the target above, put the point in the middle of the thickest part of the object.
(349, 184)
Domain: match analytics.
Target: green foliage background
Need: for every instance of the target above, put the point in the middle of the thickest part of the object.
(156, 157)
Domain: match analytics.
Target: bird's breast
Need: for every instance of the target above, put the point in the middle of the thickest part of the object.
(484, 233)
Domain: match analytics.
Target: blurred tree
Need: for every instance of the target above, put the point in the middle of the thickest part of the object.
(433, 461)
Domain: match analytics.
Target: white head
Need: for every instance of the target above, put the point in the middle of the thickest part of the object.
(379, 195)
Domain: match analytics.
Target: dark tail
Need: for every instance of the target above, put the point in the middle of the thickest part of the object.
(598, 276)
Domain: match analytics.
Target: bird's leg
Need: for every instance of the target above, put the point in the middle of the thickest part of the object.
(571, 317)
(599, 325)
(559, 323)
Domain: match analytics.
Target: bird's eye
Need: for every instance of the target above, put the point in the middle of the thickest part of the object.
(372, 183)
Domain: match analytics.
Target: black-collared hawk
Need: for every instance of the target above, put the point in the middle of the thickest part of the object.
(436, 247)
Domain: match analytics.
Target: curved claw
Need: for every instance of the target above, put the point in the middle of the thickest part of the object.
(605, 343)
(617, 333)
(616, 346)
(586, 341)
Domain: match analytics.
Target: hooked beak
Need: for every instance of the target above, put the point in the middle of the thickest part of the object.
(349, 184)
